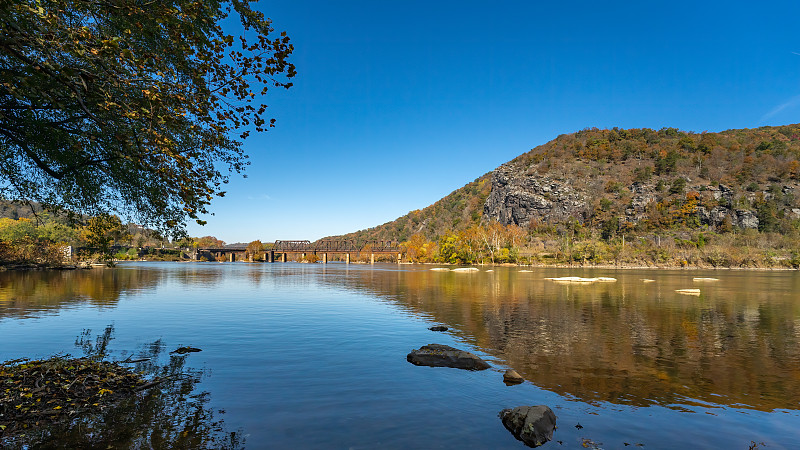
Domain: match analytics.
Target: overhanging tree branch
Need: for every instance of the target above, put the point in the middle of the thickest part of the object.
(130, 106)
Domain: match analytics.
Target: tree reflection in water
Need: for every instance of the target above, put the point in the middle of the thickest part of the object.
(171, 414)
(627, 342)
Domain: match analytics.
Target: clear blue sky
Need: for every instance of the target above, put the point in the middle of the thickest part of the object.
(397, 104)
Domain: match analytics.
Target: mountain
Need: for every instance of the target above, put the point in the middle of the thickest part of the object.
(637, 180)
(12, 210)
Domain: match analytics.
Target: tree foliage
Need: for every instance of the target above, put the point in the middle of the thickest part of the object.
(25, 241)
(51, 230)
(134, 107)
(208, 241)
(103, 231)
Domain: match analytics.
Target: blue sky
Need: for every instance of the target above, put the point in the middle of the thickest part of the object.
(397, 104)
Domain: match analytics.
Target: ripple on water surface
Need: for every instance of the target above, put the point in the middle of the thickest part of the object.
(313, 356)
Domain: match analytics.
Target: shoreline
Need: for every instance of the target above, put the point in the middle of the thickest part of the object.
(623, 266)
(538, 266)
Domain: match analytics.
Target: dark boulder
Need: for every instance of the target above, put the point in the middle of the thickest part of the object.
(438, 355)
(438, 328)
(533, 425)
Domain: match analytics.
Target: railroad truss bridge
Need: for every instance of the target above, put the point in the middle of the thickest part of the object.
(322, 251)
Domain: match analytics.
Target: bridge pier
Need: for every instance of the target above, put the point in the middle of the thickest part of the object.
(302, 249)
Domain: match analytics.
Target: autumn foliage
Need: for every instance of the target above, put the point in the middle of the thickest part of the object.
(136, 108)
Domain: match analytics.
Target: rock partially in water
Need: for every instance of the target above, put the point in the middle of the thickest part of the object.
(438, 355)
(582, 280)
(512, 377)
(183, 350)
(438, 328)
(688, 291)
(533, 425)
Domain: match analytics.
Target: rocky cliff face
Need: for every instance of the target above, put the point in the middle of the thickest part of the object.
(520, 196)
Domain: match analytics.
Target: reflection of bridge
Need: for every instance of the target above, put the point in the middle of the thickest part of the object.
(325, 247)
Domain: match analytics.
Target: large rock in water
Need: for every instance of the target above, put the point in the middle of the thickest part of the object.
(532, 425)
(438, 355)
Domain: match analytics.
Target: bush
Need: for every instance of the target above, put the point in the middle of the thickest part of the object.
(31, 251)
(678, 186)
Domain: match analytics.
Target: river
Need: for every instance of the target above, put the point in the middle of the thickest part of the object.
(314, 356)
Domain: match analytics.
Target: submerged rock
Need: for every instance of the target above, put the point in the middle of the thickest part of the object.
(438, 355)
(533, 425)
(438, 328)
(182, 350)
(512, 377)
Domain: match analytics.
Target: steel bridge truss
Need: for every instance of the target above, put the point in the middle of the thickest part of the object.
(336, 246)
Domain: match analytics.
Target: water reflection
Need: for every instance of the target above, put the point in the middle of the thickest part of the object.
(627, 342)
(24, 293)
(169, 415)
(27, 293)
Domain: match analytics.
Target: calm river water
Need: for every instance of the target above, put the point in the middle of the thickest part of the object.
(314, 356)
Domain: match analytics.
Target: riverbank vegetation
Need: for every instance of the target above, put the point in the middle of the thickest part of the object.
(33, 237)
(581, 246)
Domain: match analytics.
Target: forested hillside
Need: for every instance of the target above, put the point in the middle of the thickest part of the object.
(604, 184)
(12, 210)
(460, 209)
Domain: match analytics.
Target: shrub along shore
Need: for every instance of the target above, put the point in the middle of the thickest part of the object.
(579, 246)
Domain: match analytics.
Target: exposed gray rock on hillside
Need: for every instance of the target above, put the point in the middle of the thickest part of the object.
(520, 195)
(517, 197)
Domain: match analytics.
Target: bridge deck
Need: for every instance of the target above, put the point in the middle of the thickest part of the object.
(321, 246)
